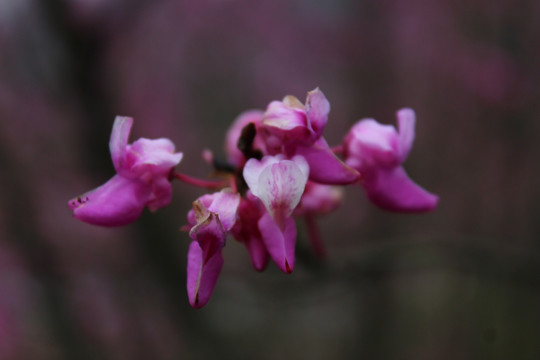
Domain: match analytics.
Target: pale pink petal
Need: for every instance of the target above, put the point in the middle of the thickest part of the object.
(155, 156)
(325, 166)
(119, 140)
(119, 201)
(393, 190)
(317, 108)
(406, 123)
(280, 186)
(201, 275)
(253, 169)
(280, 242)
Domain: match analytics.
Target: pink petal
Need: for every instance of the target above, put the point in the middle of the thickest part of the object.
(225, 205)
(325, 166)
(280, 242)
(406, 122)
(119, 140)
(370, 142)
(317, 108)
(201, 276)
(392, 189)
(119, 201)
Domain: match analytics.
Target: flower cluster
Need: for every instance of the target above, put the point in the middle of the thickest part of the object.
(279, 167)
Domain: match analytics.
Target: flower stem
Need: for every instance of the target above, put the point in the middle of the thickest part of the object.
(207, 184)
(315, 236)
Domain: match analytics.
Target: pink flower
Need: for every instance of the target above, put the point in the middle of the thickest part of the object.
(279, 184)
(378, 151)
(142, 180)
(211, 219)
(291, 128)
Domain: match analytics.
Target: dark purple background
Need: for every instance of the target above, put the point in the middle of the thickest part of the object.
(460, 283)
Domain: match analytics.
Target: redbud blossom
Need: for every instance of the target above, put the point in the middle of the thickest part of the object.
(141, 180)
(378, 151)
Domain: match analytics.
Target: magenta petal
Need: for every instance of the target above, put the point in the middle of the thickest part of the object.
(257, 252)
(280, 244)
(119, 201)
(406, 122)
(325, 167)
(119, 139)
(393, 190)
(201, 276)
(317, 108)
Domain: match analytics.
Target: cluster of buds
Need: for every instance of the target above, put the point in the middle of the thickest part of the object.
(279, 167)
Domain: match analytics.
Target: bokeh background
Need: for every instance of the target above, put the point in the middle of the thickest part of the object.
(462, 282)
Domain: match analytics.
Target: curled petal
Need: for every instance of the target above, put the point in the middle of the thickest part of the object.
(119, 139)
(393, 190)
(279, 241)
(154, 156)
(288, 121)
(201, 275)
(317, 108)
(325, 166)
(119, 201)
(406, 119)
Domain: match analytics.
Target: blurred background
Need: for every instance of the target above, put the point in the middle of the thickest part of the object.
(462, 282)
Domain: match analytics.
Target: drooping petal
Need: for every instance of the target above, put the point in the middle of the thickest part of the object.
(119, 201)
(406, 119)
(325, 166)
(393, 190)
(246, 230)
(280, 242)
(317, 108)
(201, 275)
(119, 140)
